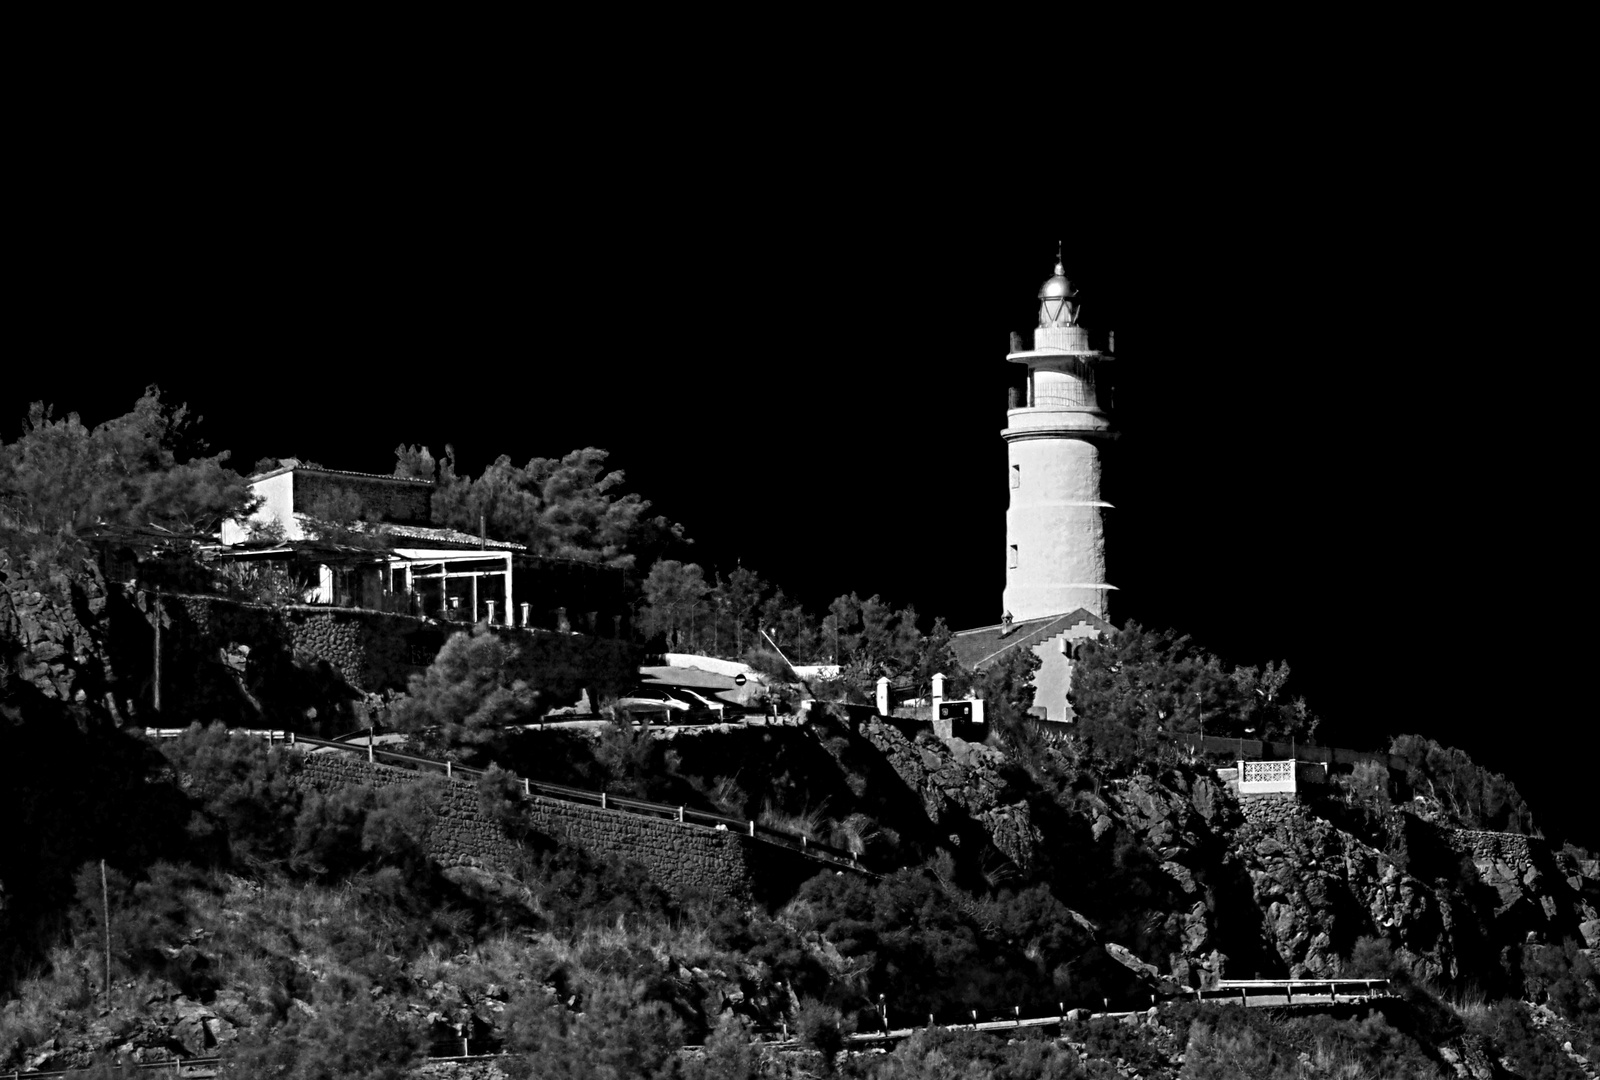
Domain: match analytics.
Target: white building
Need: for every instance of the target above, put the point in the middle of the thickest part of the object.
(1055, 525)
(1056, 593)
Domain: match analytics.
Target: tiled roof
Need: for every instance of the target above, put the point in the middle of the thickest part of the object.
(978, 648)
(452, 537)
(297, 467)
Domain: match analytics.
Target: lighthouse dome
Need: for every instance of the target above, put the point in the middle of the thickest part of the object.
(1058, 300)
(1057, 287)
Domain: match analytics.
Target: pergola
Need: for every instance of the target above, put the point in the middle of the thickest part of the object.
(449, 581)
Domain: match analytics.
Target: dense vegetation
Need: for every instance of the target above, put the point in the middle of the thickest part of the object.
(200, 892)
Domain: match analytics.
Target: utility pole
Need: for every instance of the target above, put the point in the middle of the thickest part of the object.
(105, 921)
(157, 694)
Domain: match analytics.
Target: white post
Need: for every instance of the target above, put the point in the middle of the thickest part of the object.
(944, 729)
(752, 828)
(525, 607)
(490, 605)
(883, 695)
(509, 608)
(448, 773)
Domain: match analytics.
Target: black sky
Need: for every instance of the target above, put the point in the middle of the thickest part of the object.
(1347, 391)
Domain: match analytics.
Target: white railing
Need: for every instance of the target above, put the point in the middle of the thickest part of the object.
(1265, 777)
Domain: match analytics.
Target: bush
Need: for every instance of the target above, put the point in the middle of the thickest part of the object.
(940, 1053)
(242, 790)
(1370, 958)
(620, 1033)
(821, 1028)
(468, 692)
(353, 1041)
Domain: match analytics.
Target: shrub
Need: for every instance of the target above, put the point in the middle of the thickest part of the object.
(729, 1054)
(354, 1041)
(621, 1033)
(469, 691)
(821, 1028)
(1370, 958)
(242, 791)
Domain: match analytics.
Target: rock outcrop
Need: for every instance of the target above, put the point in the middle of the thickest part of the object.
(956, 779)
(50, 628)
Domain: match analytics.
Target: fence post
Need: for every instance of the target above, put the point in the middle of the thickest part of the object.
(526, 790)
(752, 829)
(448, 771)
(370, 758)
(602, 800)
(291, 738)
(156, 673)
(680, 815)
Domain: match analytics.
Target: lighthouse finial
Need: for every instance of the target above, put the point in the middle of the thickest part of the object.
(1060, 269)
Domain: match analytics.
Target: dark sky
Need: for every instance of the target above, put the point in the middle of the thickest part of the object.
(1348, 393)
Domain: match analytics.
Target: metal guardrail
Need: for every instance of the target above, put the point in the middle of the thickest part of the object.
(1263, 993)
(1228, 991)
(796, 842)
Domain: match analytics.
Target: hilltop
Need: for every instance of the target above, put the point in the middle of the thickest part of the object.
(306, 913)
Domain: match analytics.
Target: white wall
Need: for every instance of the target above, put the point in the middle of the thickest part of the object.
(277, 495)
(1056, 521)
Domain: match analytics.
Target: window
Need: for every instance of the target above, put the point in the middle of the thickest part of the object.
(1016, 476)
(1012, 560)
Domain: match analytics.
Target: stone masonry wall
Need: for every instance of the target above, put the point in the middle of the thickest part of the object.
(1510, 849)
(244, 662)
(459, 836)
(680, 858)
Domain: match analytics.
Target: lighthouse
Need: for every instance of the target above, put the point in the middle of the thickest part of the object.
(1055, 449)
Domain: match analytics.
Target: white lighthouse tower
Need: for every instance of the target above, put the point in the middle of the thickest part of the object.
(1055, 525)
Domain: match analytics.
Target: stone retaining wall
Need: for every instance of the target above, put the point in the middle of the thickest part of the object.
(681, 858)
(1270, 808)
(224, 659)
(1509, 849)
(459, 835)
